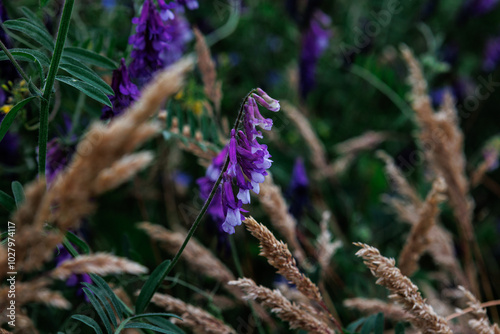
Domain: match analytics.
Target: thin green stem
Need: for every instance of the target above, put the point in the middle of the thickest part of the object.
(384, 88)
(80, 103)
(49, 84)
(19, 69)
(239, 269)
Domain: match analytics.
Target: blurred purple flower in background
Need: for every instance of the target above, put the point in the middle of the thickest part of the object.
(126, 92)
(157, 42)
(7, 70)
(473, 8)
(315, 41)
(298, 190)
(190, 4)
(491, 55)
(75, 279)
(58, 157)
(460, 88)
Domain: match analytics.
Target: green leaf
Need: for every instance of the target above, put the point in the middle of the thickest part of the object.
(119, 306)
(70, 248)
(11, 115)
(7, 201)
(88, 321)
(166, 324)
(82, 245)
(18, 191)
(85, 88)
(379, 324)
(151, 286)
(90, 57)
(98, 308)
(400, 328)
(101, 295)
(142, 325)
(155, 315)
(30, 56)
(32, 17)
(34, 31)
(353, 326)
(82, 72)
(368, 325)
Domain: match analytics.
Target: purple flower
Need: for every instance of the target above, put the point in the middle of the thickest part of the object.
(473, 8)
(298, 190)
(75, 279)
(247, 165)
(7, 70)
(159, 40)
(190, 4)
(58, 157)
(125, 92)
(491, 55)
(314, 42)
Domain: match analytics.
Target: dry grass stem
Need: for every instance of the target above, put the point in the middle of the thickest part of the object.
(212, 87)
(279, 257)
(480, 324)
(373, 306)
(404, 291)
(296, 316)
(99, 263)
(200, 259)
(442, 142)
(273, 203)
(193, 317)
(74, 188)
(366, 141)
(318, 152)
(326, 247)
(419, 239)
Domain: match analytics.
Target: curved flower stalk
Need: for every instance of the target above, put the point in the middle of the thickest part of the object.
(247, 161)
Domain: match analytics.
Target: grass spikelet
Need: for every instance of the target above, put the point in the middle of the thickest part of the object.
(442, 142)
(200, 259)
(99, 263)
(404, 291)
(211, 87)
(121, 171)
(480, 324)
(297, 317)
(326, 247)
(373, 306)
(279, 256)
(272, 201)
(193, 317)
(419, 239)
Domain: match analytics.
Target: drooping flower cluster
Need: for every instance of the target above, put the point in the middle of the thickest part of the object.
(159, 40)
(247, 164)
(314, 42)
(125, 90)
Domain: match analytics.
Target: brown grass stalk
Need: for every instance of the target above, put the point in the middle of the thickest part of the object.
(419, 239)
(99, 263)
(403, 291)
(193, 317)
(295, 315)
(211, 86)
(442, 142)
(480, 324)
(273, 203)
(279, 257)
(374, 306)
(70, 196)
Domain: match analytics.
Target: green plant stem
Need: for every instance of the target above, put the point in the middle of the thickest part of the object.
(239, 269)
(383, 88)
(49, 84)
(19, 69)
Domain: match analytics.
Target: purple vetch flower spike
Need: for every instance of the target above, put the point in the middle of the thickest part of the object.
(166, 10)
(248, 161)
(125, 90)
